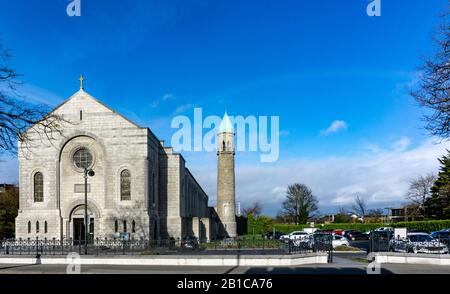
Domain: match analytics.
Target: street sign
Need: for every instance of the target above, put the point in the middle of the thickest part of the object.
(124, 236)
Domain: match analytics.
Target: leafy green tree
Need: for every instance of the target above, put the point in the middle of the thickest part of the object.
(342, 218)
(259, 224)
(9, 206)
(300, 203)
(438, 205)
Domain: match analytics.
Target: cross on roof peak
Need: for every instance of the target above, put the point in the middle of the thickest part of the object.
(81, 81)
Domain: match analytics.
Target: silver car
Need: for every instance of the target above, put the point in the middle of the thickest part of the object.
(419, 243)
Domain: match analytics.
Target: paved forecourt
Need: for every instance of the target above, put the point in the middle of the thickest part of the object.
(176, 260)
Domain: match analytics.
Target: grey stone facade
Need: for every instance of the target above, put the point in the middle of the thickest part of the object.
(166, 200)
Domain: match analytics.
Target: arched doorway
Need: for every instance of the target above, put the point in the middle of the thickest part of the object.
(77, 225)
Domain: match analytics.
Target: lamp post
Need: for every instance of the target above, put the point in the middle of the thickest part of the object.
(91, 173)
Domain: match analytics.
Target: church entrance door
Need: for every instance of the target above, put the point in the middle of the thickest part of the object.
(78, 231)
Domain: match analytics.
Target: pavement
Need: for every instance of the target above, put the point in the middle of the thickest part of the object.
(343, 263)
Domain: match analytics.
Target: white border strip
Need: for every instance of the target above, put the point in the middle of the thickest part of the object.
(179, 260)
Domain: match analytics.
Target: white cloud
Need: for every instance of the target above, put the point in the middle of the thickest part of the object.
(35, 95)
(382, 177)
(335, 126)
(183, 108)
(154, 104)
(167, 96)
(164, 98)
(401, 144)
(9, 169)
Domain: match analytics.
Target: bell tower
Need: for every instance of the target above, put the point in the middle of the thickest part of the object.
(226, 199)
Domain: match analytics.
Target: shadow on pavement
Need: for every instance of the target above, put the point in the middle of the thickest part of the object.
(16, 266)
(312, 270)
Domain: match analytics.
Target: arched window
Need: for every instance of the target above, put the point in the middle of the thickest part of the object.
(133, 226)
(38, 187)
(223, 145)
(124, 226)
(116, 226)
(225, 209)
(45, 227)
(29, 227)
(37, 227)
(125, 185)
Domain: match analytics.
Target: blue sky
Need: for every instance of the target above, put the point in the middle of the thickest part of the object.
(309, 62)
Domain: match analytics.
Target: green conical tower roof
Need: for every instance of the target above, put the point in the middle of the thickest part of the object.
(226, 126)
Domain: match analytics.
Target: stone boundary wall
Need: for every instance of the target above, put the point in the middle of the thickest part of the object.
(410, 258)
(177, 260)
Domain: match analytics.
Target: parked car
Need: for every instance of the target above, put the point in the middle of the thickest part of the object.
(339, 240)
(339, 232)
(380, 241)
(347, 233)
(419, 243)
(418, 231)
(356, 235)
(309, 241)
(296, 235)
(325, 232)
(273, 235)
(384, 229)
(189, 242)
(443, 236)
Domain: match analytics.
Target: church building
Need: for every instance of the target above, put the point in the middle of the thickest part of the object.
(136, 185)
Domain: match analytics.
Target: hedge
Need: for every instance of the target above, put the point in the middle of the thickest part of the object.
(429, 226)
(286, 228)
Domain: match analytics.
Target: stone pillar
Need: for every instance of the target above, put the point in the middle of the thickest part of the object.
(205, 226)
(196, 226)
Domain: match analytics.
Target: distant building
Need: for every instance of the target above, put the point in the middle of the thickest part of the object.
(403, 214)
(326, 219)
(8, 187)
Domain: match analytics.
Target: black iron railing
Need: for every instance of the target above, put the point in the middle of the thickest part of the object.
(100, 246)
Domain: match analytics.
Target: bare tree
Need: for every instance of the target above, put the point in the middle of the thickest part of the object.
(419, 191)
(19, 119)
(413, 211)
(377, 212)
(360, 206)
(255, 209)
(434, 84)
(300, 203)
